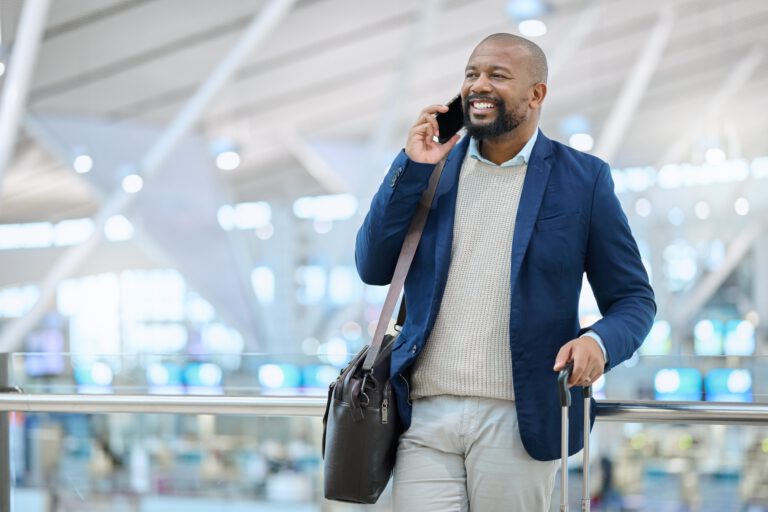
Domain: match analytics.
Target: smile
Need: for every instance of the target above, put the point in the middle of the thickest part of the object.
(482, 106)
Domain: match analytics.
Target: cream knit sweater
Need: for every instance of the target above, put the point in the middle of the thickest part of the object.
(467, 353)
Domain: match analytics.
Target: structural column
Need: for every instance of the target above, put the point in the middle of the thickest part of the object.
(16, 88)
(760, 284)
(6, 480)
(287, 321)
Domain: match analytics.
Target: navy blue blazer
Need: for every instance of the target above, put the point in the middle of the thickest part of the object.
(569, 221)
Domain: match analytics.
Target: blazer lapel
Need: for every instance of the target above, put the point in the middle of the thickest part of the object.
(535, 184)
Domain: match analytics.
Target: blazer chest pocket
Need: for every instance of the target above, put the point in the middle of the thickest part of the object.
(557, 244)
(562, 221)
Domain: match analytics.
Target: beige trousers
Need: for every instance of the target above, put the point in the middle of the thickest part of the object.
(465, 454)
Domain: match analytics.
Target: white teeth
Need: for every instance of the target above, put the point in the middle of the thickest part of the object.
(483, 105)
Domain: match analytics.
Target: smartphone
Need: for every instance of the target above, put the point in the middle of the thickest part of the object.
(450, 122)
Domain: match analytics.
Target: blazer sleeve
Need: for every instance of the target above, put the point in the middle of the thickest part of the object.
(381, 236)
(617, 275)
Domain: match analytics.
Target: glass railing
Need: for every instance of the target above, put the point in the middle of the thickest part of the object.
(224, 461)
(687, 378)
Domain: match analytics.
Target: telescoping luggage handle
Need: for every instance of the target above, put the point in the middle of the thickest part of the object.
(565, 403)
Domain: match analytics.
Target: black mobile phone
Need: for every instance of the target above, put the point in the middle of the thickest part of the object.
(452, 121)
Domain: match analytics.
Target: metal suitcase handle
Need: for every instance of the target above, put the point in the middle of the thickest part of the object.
(565, 403)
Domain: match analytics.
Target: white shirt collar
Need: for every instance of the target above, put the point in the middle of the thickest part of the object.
(521, 158)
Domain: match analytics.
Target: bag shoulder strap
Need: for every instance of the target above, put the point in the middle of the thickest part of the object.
(407, 252)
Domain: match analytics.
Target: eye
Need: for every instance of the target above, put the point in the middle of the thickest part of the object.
(470, 74)
(498, 76)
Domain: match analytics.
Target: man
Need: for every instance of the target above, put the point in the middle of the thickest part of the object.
(493, 291)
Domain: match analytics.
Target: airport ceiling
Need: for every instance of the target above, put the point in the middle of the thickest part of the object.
(352, 71)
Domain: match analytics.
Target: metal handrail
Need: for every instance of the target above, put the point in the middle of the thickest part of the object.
(713, 413)
(609, 411)
(170, 404)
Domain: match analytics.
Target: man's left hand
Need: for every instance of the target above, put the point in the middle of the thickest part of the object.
(587, 357)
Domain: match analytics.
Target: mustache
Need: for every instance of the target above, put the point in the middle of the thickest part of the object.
(480, 97)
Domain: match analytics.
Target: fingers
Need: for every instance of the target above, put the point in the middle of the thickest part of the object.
(420, 146)
(585, 371)
(423, 137)
(427, 117)
(433, 109)
(580, 372)
(587, 361)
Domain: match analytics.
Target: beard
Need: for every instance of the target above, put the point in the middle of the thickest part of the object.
(504, 122)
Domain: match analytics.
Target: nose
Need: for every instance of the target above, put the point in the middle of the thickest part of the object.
(481, 84)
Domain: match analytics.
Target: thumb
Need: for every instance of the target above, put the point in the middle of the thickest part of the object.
(563, 356)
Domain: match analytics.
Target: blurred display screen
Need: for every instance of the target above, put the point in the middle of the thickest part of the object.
(659, 340)
(739, 338)
(708, 338)
(679, 384)
(717, 338)
(165, 379)
(46, 358)
(728, 385)
(201, 378)
(94, 378)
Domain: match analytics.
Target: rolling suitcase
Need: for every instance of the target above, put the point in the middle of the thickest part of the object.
(565, 403)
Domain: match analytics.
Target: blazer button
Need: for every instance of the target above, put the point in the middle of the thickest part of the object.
(413, 349)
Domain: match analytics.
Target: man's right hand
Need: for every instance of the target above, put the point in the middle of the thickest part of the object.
(420, 147)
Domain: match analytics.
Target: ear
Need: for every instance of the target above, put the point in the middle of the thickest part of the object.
(538, 93)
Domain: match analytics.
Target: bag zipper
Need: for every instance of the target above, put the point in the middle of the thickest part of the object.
(385, 406)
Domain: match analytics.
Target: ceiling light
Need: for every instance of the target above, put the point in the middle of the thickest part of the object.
(639, 179)
(532, 28)
(581, 141)
(741, 206)
(72, 232)
(643, 207)
(328, 207)
(760, 167)
(118, 228)
(226, 217)
(82, 164)
(702, 210)
(252, 215)
(133, 183)
(228, 160)
(525, 9)
(714, 156)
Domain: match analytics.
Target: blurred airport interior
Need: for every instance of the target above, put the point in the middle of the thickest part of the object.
(181, 182)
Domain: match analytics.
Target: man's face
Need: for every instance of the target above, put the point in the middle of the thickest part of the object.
(497, 90)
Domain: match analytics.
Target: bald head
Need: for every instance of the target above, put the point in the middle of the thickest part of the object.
(537, 61)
